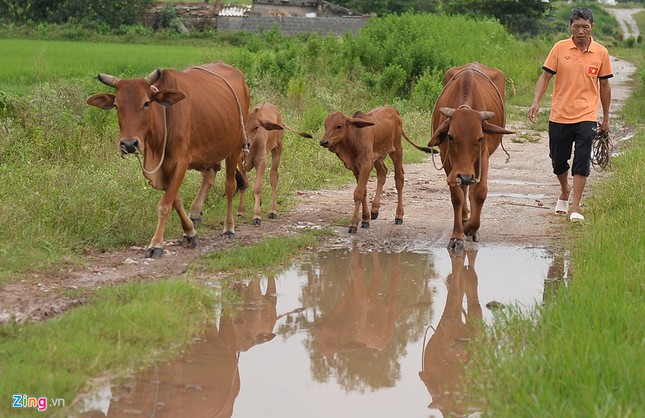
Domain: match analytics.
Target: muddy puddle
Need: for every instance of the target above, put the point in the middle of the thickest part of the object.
(340, 334)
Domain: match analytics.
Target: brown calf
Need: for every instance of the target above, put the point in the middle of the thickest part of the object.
(362, 142)
(265, 131)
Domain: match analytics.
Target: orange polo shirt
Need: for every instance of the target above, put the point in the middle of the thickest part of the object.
(576, 93)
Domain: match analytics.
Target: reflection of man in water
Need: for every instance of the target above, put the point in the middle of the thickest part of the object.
(205, 382)
(554, 278)
(446, 354)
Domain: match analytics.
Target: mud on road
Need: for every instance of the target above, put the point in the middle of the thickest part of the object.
(518, 211)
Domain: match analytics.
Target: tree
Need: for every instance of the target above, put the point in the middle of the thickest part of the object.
(516, 15)
(111, 12)
(381, 7)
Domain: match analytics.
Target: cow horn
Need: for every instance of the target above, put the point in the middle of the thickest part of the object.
(109, 80)
(447, 111)
(153, 76)
(486, 115)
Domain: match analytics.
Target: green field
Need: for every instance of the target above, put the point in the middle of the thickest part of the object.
(27, 63)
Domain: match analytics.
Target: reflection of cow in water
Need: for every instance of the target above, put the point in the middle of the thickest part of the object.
(205, 382)
(365, 315)
(446, 355)
(254, 325)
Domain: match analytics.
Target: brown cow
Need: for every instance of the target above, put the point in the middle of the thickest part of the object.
(468, 123)
(265, 131)
(180, 120)
(362, 142)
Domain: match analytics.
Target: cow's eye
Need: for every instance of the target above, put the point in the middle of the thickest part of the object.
(255, 129)
(451, 138)
(339, 127)
(147, 104)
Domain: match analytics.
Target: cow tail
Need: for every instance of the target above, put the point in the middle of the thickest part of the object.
(241, 182)
(424, 149)
(302, 134)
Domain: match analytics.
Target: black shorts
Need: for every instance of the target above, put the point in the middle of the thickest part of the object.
(562, 138)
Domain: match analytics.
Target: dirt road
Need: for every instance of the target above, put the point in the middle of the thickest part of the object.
(518, 211)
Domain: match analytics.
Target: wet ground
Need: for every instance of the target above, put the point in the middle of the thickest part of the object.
(341, 332)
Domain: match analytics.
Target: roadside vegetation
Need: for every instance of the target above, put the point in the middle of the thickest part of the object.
(65, 192)
(583, 353)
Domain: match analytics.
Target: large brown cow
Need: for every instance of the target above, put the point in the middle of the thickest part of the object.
(362, 142)
(265, 131)
(182, 120)
(468, 123)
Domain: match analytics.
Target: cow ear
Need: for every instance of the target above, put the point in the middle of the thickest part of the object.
(103, 101)
(270, 126)
(439, 134)
(168, 97)
(489, 128)
(359, 123)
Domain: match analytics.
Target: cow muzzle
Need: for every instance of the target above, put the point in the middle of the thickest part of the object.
(129, 146)
(463, 179)
(324, 143)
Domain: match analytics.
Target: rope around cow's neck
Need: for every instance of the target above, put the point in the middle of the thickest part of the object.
(443, 163)
(165, 141)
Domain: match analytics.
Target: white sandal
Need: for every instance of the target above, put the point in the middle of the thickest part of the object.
(562, 207)
(576, 217)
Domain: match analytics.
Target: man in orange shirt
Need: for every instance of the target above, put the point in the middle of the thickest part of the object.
(582, 69)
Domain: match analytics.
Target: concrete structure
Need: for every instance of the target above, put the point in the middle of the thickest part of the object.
(292, 17)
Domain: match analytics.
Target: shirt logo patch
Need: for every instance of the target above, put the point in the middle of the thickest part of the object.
(593, 70)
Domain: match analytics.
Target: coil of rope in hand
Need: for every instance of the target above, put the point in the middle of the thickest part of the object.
(601, 150)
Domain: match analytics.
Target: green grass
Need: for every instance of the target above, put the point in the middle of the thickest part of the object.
(272, 251)
(124, 327)
(28, 63)
(583, 355)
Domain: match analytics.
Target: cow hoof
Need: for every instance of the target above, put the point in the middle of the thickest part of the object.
(365, 224)
(352, 230)
(456, 244)
(273, 215)
(190, 242)
(398, 221)
(475, 236)
(196, 221)
(374, 215)
(228, 234)
(257, 222)
(154, 252)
